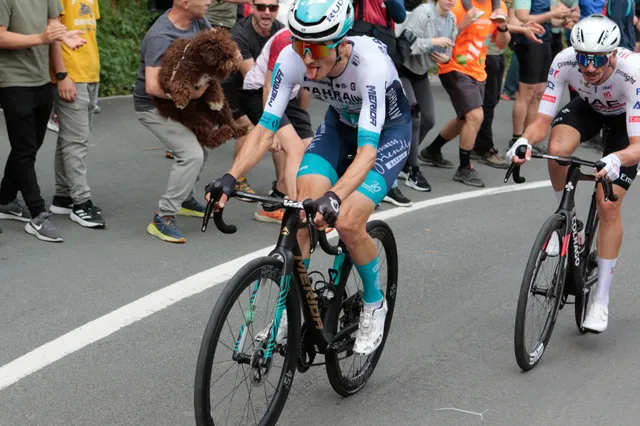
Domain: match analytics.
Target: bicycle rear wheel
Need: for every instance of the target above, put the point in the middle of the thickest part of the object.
(347, 371)
(589, 278)
(239, 354)
(537, 296)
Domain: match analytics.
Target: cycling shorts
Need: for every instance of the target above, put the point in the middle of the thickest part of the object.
(334, 146)
(588, 122)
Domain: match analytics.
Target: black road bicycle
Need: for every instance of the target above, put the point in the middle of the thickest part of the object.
(573, 269)
(241, 352)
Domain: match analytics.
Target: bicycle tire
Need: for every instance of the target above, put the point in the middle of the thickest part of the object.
(341, 384)
(232, 291)
(582, 294)
(527, 360)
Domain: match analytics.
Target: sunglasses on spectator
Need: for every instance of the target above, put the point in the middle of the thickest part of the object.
(317, 51)
(263, 7)
(597, 60)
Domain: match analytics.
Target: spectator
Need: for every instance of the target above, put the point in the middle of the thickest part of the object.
(223, 13)
(484, 149)
(294, 133)
(251, 34)
(377, 19)
(557, 44)
(77, 78)
(534, 60)
(186, 19)
(622, 12)
(463, 77)
(431, 29)
(26, 35)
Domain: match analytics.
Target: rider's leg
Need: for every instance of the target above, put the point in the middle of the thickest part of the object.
(564, 140)
(352, 228)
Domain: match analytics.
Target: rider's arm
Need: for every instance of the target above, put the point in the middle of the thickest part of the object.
(631, 154)
(259, 140)
(372, 116)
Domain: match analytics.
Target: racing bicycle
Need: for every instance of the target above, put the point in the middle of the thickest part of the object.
(242, 352)
(573, 269)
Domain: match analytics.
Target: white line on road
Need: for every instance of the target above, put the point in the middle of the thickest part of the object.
(108, 324)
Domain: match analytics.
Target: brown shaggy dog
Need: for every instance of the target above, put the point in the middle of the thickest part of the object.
(187, 64)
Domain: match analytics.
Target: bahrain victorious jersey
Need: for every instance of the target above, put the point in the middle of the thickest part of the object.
(367, 95)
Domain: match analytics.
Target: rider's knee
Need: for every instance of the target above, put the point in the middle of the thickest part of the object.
(351, 228)
(608, 211)
(558, 146)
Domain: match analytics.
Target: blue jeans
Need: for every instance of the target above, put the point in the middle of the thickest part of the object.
(513, 75)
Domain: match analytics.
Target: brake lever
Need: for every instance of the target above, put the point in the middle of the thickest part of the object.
(607, 186)
(514, 168)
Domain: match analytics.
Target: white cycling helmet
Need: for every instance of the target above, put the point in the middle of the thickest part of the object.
(320, 20)
(595, 34)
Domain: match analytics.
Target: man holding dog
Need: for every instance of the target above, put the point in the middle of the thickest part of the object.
(185, 20)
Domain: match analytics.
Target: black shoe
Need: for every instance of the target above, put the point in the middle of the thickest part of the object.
(417, 181)
(468, 176)
(434, 159)
(396, 197)
(86, 215)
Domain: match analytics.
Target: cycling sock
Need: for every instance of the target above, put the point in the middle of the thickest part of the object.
(465, 159)
(605, 274)
(306, 263)
(371, 282)
(437, 144)
(558, 195)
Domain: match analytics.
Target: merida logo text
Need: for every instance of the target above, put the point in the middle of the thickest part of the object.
(371, 91)
(276, 85)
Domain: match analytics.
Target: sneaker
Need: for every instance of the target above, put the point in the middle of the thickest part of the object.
(283, 331)
(404, 173)
(493, 159)
(43, 228)
(54, 123)
(61, 205)
(15, 210)
(371, 329)
(397, 198)
(262, 215)
(169, 154)
(468, 176)
(597, 317)
(97, 109)
(417, 181)
(273, 192)
(243, 185)
(434, 159)
(553, 245)
(506, 97)
(86, 215)
(166, 229)
(192, 207)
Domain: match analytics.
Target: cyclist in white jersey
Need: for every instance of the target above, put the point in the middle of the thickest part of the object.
(607, 79)
(358, 150)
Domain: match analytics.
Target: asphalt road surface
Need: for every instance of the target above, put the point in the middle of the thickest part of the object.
(449, 357)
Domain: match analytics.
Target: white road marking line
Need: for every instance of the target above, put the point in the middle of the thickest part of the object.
(108, 324)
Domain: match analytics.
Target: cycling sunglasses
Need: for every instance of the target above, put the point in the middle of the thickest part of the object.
(262, 7)
(597, 60)
(317, 51)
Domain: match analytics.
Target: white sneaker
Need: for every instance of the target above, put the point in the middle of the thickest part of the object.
(597, 317)
(371, 329)
(553, 245)
(283, 330)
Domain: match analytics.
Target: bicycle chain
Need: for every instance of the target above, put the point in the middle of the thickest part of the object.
(303, 364)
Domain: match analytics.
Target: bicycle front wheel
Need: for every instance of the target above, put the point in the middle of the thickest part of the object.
(348, 372)
(243, 376)
(540, 293)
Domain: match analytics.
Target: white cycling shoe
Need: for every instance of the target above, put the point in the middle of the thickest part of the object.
(553, 245)
(371, 329)
(597, 317)
(283, 330)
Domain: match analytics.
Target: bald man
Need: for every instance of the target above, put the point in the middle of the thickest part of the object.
(185, 20)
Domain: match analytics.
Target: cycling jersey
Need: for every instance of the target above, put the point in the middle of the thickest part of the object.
(619, 94)
(369, 84)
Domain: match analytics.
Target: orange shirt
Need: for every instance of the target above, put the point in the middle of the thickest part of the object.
(470, 47)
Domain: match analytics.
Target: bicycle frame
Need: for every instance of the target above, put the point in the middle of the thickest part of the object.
(288, 250)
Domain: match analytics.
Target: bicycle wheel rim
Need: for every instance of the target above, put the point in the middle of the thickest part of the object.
(214, 398)
(349, 372)
(530, 342)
